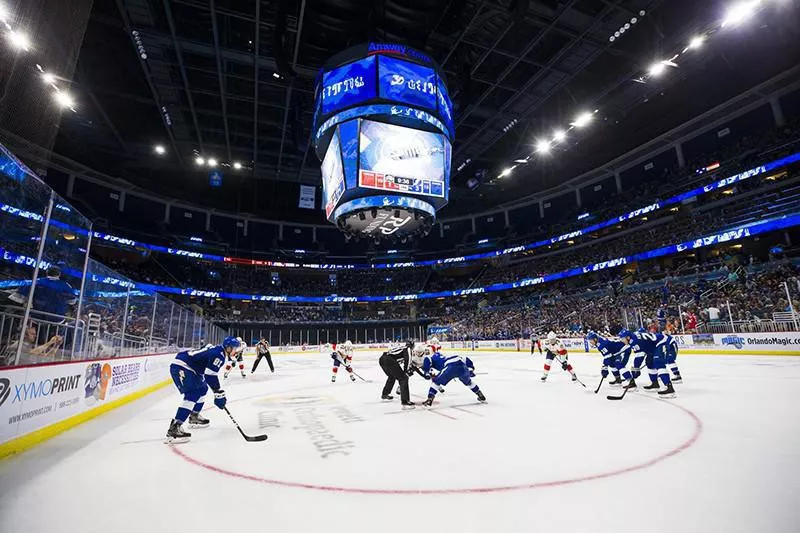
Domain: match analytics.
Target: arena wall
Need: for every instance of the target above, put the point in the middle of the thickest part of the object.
(38, 402)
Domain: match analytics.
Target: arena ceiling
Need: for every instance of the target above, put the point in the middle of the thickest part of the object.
(234, 79)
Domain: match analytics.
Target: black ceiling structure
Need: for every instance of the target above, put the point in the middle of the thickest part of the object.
(234, 80)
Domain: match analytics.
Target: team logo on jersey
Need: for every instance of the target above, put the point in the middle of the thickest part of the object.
(5, 389)
(733, 340)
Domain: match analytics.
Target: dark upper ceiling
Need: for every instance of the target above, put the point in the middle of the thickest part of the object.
(538, 62)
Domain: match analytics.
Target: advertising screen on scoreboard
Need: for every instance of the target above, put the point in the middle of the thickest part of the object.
(348, 85)
(400, 159)
(408, 83)
(332, 176)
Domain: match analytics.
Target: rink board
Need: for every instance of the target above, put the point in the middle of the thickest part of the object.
(39, 402)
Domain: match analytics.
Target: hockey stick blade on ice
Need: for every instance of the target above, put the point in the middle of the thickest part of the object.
(248, 438)
(618, 397)
(602, 378)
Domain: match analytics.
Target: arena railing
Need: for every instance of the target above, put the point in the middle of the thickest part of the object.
(716, 185)
(57, 304)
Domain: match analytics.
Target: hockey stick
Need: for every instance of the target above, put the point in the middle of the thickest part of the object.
(618, 397)
(602, 378)
(248, 438)
(558, 358)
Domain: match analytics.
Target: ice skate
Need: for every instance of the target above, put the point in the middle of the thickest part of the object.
(387, 397)
(481, 397)
(574, 377)
(631, 385)
(653, 387)
(615, 382)
(196, 420)
(544, 378)
(176, 434)
(677, 379)
(667, 393)
(243, 374)
(352, 377)
(428, 402)
(409, 405)
(333, 378)
(225, 375)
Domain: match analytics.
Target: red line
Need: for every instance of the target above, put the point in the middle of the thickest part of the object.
(698, 429)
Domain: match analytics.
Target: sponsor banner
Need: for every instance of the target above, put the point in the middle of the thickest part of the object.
(37, 396)
(766, 342)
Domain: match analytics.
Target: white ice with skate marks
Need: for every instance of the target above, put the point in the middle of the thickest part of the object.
(551, 456)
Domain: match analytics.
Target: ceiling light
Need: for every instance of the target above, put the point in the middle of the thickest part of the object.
(543, 146)
(634, 20)
(237, 165)
(657, 69)
(740, 12)
(19, 40)
(64, 99)
(696, 42)
(559, 136)
(3, 13)
(48, 78)
(159, 149)
(582, 120)
(276, 75)
(506, 172)
(199, 160)
(212, 162)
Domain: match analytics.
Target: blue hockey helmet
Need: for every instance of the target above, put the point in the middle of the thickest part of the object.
(231, 342)
(624, 333)
(641, 330)
(592, 336)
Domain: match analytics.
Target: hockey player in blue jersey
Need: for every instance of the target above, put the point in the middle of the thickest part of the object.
(672, 358)
(638, 357)
(449, 368)
(615, 356)
(654, 346)
(193, 373)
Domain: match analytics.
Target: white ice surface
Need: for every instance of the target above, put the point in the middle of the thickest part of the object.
(723, 456)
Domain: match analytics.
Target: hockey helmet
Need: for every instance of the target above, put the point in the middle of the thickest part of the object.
(592, 336)
(232, 343)
(623, 333)
(551, 336)
(348, 344)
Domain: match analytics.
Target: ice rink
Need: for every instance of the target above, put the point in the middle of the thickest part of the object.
(723, 456)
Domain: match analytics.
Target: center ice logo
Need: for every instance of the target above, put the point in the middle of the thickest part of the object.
(733, 340)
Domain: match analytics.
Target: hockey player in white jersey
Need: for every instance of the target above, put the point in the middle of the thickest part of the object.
(236, 357)
(342, 354)
(555, 348)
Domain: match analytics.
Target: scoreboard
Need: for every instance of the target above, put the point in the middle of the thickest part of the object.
(383, 132)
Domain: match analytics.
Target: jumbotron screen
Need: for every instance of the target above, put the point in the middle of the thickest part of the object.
(399, 159)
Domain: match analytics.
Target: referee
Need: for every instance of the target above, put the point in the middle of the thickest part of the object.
(395, 365)
(262, 350)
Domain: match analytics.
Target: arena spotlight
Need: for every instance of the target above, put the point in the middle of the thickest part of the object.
(657, 69)
(696, 42)
(740, 12)
(582, 120)
(200, 161)
(506, 172)
(3, 13)
(63, 99)
(19, 40)
(159, 149)
(559, 136)
(543, 146)
(237, 165)
(48, 78)
(212, 162)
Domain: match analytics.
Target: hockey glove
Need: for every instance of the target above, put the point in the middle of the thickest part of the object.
(604, 372)
(219, 398)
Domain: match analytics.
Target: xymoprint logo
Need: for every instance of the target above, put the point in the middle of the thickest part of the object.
(5, 389)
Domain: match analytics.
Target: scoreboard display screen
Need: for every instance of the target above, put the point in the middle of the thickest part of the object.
(409, 83)
(348, 85)
(332, 176)
(402, 160)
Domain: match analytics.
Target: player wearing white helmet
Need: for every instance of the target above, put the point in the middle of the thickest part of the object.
(235, 357)
(342, 354)
(555, 348)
